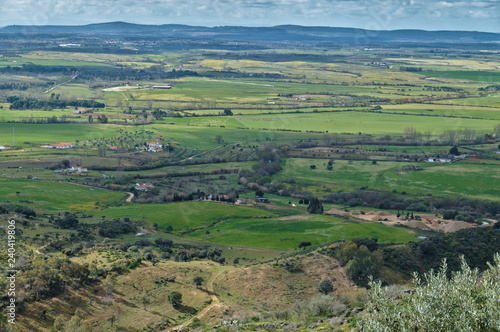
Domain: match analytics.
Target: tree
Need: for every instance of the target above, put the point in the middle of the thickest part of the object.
(218, 138)
(70, 221)
(325, 287)
(66, 163)
(363, 265)
(155, 226)
(102, 118)
(227, 111)
(304, 244)
(175, 299)
(102, 149)
(259, 193)
(410, 133)
(454, 151)
(464, 302)
(91, 119)
(169, 229)
(198, 281)
(315, 206)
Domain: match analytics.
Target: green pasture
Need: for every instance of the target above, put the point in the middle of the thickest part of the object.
(286, 233)
(185, 215)
(469, 180)
(18, 115)
(204, 138)
(53, 132)
(473, 111)
(478, 76)
(53, 196)
(355, 122)
(254, 111)
(77, 91)
(242, 90)
(492, 100)
(462, 178)
(252, 227)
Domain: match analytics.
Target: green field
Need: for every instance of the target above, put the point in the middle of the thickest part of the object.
(186, 215)
(286, 233)
(52, 133)
(463, 179)
(53, 196)
(252, 227)
(341, 122)
(367, 123)
(492, 100)
(473, 110)
(478, 76)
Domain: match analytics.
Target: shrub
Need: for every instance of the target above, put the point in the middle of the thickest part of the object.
(325, 287)
(465, 302)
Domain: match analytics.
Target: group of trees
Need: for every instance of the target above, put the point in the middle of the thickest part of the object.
(23, 103)
(103, 73)
(24, 210)
(360, 262)
(449, 137)
(393, 200)
(114, 227)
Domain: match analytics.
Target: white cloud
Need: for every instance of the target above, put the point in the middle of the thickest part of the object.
(383, 14)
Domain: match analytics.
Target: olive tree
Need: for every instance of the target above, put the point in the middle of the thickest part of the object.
(464, 302)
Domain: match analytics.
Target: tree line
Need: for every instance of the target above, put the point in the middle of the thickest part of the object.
(23, 103)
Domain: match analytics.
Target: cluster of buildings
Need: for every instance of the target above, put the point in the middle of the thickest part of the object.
(143, 186)
(59, 146)
(78, 169)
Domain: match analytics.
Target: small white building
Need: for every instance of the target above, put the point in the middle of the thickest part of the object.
(154, 147)
(143, 186)
(78, 169)
(82, 111)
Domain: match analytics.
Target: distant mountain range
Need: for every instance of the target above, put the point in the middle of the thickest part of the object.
(276, 33)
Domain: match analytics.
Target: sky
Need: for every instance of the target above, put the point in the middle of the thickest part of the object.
(481, 15)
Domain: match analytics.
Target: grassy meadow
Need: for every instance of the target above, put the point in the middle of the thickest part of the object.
(55, 197)
(465, 179)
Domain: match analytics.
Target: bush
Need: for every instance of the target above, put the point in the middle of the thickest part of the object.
(465, 302)
(324, 305)
(325, 287)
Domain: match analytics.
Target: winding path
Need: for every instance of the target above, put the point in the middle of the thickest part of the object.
(129, 198)
(215, 303)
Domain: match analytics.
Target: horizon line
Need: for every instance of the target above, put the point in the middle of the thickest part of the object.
(244, 26)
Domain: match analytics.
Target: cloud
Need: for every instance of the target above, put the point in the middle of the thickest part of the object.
(381, 14)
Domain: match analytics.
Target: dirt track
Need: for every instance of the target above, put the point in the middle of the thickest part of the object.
(215, 303)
